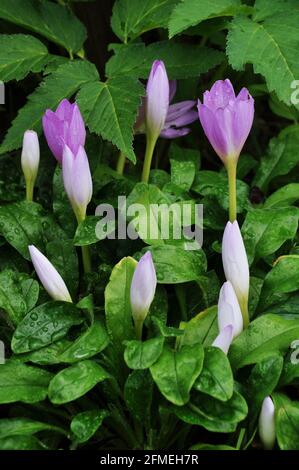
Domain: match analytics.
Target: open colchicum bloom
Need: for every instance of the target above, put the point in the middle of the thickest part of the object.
(229, 312)
(30, 161)
(49, 276)
(143, 288)
(63, 127)
(267, 424)
(226, 120)
(224, 338)
(77, 180)
(235, 265)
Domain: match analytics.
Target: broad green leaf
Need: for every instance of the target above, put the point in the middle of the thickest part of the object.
(138, 394)
(75, 381)
(211, 447)
(214, 415)
(182, 173)
(216, 378)
(265, 8)
(166, 331)
(24, 426)
(290, 371)
(265, 230)
(131, 18)
(63, 256)
(176, 371)
(270, 43)
(286, 422)
(26, 223)
(201, 329)
(19, 382)
(44, 325)
(189, 13)
(89, 232)
(181, 60)
(282, 279)
(280, 159)
(47, 355)
(85, 424)
(17, 295)
(21, 54)
(284, 196)
(110, 110)
(90, 343)
(117, 303)
(142, 354)
(20, 443)
(55, 22)
(264, 337)
(175, 265)
(262, 381)
(62, 83)
(211, 183)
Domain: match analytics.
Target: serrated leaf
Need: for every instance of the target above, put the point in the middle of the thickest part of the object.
(21, 54)
(269, 45)
(131, 18)
(181, 60)
(191, 12)
(110, 110)
(55, 22)
(62, 83)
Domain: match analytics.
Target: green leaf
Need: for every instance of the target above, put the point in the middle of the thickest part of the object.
(21, 54)
(90, 343)
(141, 355)
(75, 381)
(189, 13)
(202, 446)
(267, 44)
(284, 196)
(17, 295)
(176, 371)
(19, 382)
(62, 83)
(85, 424)
(48, 19)
(265, 230)
(24, 426)
(20, 443)
(63, 256)
(182, 173)
(47, 355)
(181, 60)
(202, 328)
(282, 279)
(45, 324)
(280, 159)
(286, 422)
(264, 337)
(192, 264)
(138, 394)
(26, 223)
(131, 18)
(110, 110)
(87, 232)
(117, 303)
(211, 183)
(216, 378)
(214, 415)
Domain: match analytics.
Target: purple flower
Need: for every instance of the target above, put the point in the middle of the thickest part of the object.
(65, 126)
(229, 312)
(49, 276)
(143, 286)
(30, 156)
(224, 339)
(226, 119)
(157, 99)
(178, 116)
(77, 180)
(267, 424)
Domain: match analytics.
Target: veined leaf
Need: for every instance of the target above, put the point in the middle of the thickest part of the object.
(48, 19)
(110, 109)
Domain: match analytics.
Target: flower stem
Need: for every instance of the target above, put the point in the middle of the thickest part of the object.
(231, 167)
(84, 249)
(138, 329)
(150, 146)
(244, 309)
(29, 191)
(121, 163)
